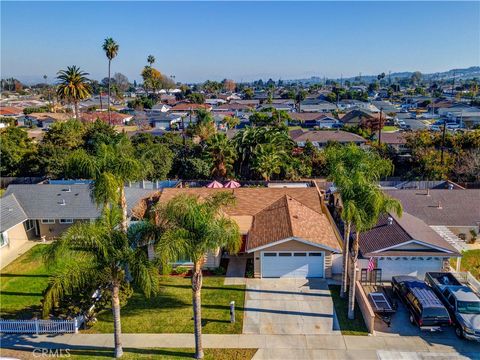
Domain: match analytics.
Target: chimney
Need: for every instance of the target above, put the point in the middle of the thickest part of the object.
(390, 220)
(428, 191)
(62, 203)
(439, 206)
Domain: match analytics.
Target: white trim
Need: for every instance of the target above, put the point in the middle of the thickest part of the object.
(292, 252)
(294, 239)
(418, 242)
(66, 221)
(48, 221)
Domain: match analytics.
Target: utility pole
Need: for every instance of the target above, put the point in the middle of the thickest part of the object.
(443, 140)
(380, 128)
(453, 83)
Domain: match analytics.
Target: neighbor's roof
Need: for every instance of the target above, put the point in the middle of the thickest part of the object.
(458, 207)
(11, 213)
(189, 107)
(402, 230)
(330, 135)
(10, 110)
(55, 201)
(289, 218)
(308, 116)
(394, 138)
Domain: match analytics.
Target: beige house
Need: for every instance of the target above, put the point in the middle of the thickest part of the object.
(286, 231)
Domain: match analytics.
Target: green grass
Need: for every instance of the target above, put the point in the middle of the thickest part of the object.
(2, 191)
(471, 262)
(347, 326)
(154, 353)
(171, 310)
(22, 283)
(390, 128)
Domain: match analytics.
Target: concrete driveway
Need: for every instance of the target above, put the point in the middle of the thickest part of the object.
(288, 306)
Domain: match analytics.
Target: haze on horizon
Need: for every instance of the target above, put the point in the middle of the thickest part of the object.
(196, 41)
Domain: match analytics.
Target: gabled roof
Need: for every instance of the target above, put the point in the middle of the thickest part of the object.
(324, 136)
(408, 232)
(288, 218)
(11, 213)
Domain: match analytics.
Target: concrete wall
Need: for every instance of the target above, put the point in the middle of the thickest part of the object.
(365, 308)
(17, 237)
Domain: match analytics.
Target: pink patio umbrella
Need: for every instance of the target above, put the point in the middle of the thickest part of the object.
(232, 184)
(215, 185)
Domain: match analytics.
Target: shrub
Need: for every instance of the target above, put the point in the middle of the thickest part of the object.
(166, 269)
(219, 271)
(180, 270)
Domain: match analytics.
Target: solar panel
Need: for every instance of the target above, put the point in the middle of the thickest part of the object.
(380, 301)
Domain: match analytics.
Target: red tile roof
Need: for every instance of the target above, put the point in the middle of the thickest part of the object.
(10, 111)
(189, 107)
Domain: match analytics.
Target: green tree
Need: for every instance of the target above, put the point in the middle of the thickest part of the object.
(111, 51)
(150, 59)
(268, 161)
(99, 253)
(16, 149)
(221, 154)
(73, 86)
(230, 122)
(194, 228)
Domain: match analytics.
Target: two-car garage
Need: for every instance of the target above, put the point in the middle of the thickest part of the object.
(293, 264)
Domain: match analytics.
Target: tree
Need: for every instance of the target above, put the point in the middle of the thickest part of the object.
(73, 86)
(16, 148)
(228, 85)
(111, 166)
(248, 93)
(99, 254)
(230, 121)
(416, 77)
(193, 228)
(150, 59)
(221, 153)
(121, 82)
(268, 161)
(111, 51)
(196, 98)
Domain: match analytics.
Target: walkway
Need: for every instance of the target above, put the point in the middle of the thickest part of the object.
(236, 271)
(296, 347)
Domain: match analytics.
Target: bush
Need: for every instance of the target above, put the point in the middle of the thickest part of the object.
(180, 270)
(166, 269)
(219, 271)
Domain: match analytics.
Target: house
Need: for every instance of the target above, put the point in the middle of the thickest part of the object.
(252, 103)
(163, 121)
(179, 107)
(215, 102)
(403, 246)
(238, 110)
(396, 141)
(115, 118)
(10, 111)
(321, 138)
(161, 107)
(45, 211)
(386, 106)
(286, 231)
(316, 105)
(359, 117)
(277, 106)
(45, 120)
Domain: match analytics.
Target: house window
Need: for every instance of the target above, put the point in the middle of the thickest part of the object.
(299, 254)
(315, 254)
(285, 254)
(48, 221)
(29, 225)
(269, 254)
(66, 221)
(3, 239)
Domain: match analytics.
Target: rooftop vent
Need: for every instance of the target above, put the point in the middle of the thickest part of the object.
(439, 206)
(62, 203)
(390, 220)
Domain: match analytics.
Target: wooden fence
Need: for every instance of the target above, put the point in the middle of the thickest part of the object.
(37, 326)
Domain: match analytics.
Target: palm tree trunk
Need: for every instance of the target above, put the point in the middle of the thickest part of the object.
(346, 245)
(108, 105)
(197, 308)
(353, 278)
(75, 106)
(117, 326)
(123, 206)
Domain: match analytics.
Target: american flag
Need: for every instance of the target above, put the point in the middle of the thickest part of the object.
(371, 264)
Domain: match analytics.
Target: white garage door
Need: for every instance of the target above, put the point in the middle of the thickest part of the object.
(292, 264)
(414, 266)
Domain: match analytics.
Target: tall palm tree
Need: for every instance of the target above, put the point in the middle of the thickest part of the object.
(371, 203)
(150, 60)
(222, 153)
(193, 228)
(98, 255)
(268, 160)
(73, 86)
(111, 51)
(111, 166)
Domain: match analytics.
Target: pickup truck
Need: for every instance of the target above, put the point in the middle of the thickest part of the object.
(461, 302)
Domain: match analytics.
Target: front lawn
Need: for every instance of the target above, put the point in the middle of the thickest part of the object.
(171, 310)
(471, 262)
(389, 128)
(154, 353)
(347, 326)
(22, 283)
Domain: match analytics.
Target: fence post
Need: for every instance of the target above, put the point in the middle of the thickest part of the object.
(75, 324)
(37, 326)
(232, 311)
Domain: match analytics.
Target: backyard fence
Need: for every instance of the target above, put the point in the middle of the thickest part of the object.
(37, 326)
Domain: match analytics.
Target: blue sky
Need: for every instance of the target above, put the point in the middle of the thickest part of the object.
(196, 41)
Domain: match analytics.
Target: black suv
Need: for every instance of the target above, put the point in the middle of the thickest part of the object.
(426, 309)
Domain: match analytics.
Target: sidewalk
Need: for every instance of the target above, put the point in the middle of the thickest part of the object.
(271, 346)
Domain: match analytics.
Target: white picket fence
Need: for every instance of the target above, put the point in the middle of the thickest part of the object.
(37, 326)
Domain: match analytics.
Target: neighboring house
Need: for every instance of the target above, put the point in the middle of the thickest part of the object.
(45, 211)
(386, 106)
(315, 105)
(396, 141)
(190, 107)
(277, 106)
(359, 117)
(286, 231)
(321, 138)
(215, 102)
(45, 120)
(161, 107)
(322, 120)
(403, 246)
(347, 104)
(115, 118)
(252, 103)
(238, 110)
(163, 121)
(10, 111)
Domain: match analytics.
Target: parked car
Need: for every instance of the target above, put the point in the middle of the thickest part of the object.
(426, 309)
(462, 303)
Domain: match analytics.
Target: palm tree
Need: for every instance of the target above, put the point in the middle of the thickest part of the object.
(222, 154)
(268, 160)
(370, 203)
(193, 228)
(98, 255)
(111, 51)
(73, 86)
(150, 60)
(111, 166)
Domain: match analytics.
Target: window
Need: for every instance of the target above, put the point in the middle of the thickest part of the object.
(29, 225)
(299, 254)
(48, 221)
(3, 239)
(285, 254)
(315, 254)
(270, 254)
(66, 221)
